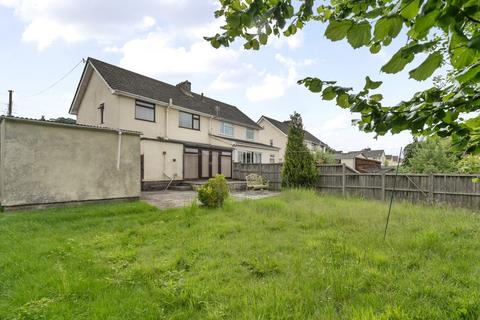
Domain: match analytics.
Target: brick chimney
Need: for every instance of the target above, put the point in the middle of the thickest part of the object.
(186, 87)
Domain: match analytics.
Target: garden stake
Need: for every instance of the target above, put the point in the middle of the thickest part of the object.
(391, 197)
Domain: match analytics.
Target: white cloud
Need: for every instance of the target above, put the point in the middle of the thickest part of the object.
(292, 42)
(274, 85)
(234, 77)
(106, 21)
(158, 54)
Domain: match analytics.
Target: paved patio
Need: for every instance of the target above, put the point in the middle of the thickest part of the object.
(178, 199)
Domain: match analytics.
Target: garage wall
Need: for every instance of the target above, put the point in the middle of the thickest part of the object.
(43, 162)
(162, 160)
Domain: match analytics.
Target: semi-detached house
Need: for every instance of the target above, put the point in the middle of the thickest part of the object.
(185, 135)
(275, 133)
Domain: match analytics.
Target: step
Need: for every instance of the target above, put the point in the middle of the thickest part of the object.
(181, 187)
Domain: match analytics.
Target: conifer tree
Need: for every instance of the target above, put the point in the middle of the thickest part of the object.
(299, 167)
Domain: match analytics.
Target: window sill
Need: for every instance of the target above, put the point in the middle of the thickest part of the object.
(146, 120)
(189, 128)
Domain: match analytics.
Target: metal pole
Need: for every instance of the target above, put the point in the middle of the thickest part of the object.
(10, 102)
(391, 197)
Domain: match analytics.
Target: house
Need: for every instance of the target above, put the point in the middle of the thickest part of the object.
(391, 160)
(184, 135)
(378, 155)
(358, 161)
(349, 158)
(275, 133)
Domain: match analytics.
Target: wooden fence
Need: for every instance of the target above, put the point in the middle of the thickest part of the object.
(454, 189)
(271, 171)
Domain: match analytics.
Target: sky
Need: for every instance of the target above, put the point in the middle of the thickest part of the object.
(42, 40)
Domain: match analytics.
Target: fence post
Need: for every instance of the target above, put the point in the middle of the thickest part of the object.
(344, 180)
(383, 187)
(431, 195)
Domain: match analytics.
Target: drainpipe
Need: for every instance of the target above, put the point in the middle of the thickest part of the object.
(170, 103)
(119, 149)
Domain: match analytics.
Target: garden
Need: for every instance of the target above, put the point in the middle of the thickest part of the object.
(299, 255)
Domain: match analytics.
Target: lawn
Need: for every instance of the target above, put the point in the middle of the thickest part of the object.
(296, 256)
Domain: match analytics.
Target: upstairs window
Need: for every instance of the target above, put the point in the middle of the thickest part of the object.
(226, 129)
(144, 111)
(250, 134)
(271, 142)
(189, 121)
(102, 110)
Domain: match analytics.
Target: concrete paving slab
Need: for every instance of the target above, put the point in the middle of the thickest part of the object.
(179, 199)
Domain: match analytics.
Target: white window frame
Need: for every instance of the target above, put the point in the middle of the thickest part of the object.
(227, 125)
(249, 157)
(247, 131)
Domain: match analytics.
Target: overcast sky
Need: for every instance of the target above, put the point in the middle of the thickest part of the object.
(41, 40)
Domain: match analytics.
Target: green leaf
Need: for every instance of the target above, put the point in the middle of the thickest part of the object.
(337, 29)
(315, 85)
(263, 38)
(328, 93)
(342, 100)
(462, 57)
(376, 97)
(397, 62)
(423, 24)
(359, 34)
(470, 73)
(370, 84)
(410, 9)
(425, 70)
(450, 116)
(375, 48)
(387, 27)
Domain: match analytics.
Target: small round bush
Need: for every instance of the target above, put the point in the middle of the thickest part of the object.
(214, 192)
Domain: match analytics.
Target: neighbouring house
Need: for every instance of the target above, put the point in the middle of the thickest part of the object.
(275, 133)
(378, 155)
(185, 135)
(45, 163)
(349, 158)
(391, 160)
(358, 161)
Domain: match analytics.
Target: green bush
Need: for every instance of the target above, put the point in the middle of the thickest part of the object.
(213, 193)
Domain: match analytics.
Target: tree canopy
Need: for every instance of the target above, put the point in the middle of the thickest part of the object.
(446, 31)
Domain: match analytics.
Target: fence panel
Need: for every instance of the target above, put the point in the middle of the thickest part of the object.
(454, 189)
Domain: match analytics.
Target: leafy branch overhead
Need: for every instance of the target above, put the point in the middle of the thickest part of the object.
(444, 32)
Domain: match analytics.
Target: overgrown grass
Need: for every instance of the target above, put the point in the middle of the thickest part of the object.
(297, 256)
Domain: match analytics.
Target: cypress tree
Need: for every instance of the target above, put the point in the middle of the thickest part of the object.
(299, 168)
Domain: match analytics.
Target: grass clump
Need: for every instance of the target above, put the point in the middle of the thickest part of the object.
(295, 256)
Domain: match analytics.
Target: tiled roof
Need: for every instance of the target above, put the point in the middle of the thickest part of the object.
(253, 143)
(372, 153)
(130, 82)
(283, 126)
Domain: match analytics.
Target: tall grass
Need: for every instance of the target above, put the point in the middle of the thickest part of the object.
(296, 256)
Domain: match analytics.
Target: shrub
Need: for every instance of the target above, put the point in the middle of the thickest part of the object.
(213, 193)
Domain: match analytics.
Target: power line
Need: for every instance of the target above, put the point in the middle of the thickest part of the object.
(56, 82)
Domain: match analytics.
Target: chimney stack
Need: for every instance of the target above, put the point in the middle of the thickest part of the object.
(10, 102)
(186, 87)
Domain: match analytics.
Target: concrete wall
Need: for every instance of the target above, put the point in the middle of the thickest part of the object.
(162, 160)
(43, 162)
